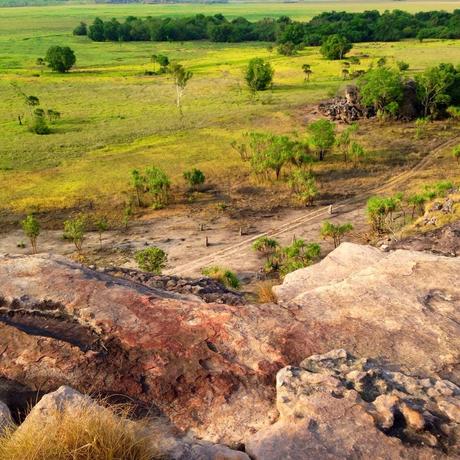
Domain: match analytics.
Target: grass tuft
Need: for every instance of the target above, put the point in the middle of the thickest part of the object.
(81, 433)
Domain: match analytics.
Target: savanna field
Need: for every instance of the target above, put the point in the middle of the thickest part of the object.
(115, 118)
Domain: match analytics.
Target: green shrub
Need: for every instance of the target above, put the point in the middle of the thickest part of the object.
(223, 275)
(39, 125)
(265, 245)
(456, 152)
(402, 65)
(195, 177)
(259, 74)
(335, 231)
(151, 260)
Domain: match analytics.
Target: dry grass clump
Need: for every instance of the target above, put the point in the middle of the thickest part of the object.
(265, 292)
(81, 433)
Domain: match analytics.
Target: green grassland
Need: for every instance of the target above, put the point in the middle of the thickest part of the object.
(115, 118)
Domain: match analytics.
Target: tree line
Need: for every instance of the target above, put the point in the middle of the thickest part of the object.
(368, 26)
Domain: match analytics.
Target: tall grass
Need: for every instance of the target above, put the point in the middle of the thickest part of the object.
(88, 432)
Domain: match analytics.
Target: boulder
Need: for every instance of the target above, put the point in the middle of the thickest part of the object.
(5, 417)
(335, 267)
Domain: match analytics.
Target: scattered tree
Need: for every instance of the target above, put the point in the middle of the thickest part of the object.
(31, 228)
(417, 201)
(265, 245)
(380, 212)
(60, 58)
(322, 137)
(303, 184)
(335, 47)
(74, 230)
(181, 77)
(382, 88)
(158, 184)
(432, 89)
(335, 231)
(344, 139)
(102, 225)
(152, 260)
(162, 60)
(258, 75)
(306, 68)
(139, 183)
(298, 255)
(356, 152)
(38, 124)
(287, 49)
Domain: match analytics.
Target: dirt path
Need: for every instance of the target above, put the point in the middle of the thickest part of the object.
(305, 226)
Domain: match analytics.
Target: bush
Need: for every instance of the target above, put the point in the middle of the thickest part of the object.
(39, 125)
(259, 75)
(81, 29)
(223, 275)
(151, 260)
(60, 58)
(403, 66)
(264, 291)
(265, 245)
(195, 177)
(287, 49)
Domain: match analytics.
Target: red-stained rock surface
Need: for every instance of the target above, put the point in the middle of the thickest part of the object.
(211, 367)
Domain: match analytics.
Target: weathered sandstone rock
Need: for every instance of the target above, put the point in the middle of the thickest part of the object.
(347, 259)
(210, 367)
(403, 306)
(337, 407)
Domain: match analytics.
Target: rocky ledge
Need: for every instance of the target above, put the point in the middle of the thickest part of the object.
(210, 368)
(205, 288)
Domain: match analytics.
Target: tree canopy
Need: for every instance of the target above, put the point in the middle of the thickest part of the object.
(60, 58)
(335, 47)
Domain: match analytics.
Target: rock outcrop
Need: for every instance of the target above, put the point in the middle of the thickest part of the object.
(210, 367)
(403, 306)
(336, 407)
(444, 241)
